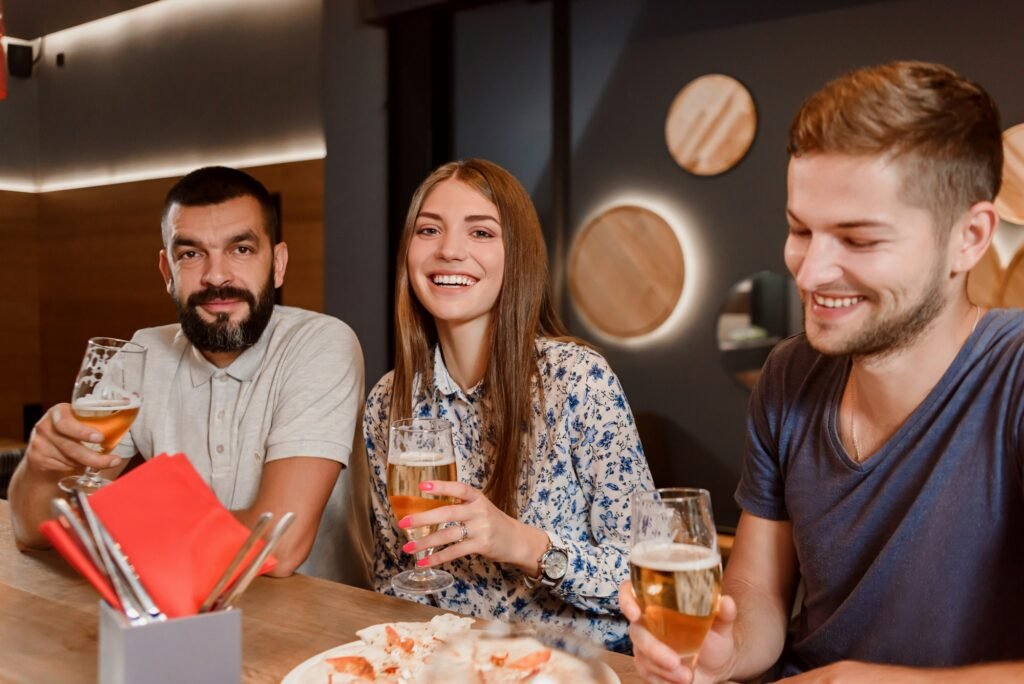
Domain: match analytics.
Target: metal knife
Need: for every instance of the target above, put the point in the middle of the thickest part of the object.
(257, 532)
(242, 584)
(129, 604)
(128, 570)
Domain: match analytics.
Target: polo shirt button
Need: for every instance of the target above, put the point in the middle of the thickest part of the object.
(220, 448)
(220, 414)
(256, 455)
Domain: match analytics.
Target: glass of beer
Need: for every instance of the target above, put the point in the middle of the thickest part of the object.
(675, 566)
(420, 449)
(107, 397)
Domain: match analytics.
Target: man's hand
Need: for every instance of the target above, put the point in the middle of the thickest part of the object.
(56, 444)
(54, 450)
(657, 662)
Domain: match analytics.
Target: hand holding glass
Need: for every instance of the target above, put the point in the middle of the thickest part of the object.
(107, 397)
(419, 450)
(675, 566)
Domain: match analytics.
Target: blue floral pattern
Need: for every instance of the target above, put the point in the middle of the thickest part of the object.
(586, 463)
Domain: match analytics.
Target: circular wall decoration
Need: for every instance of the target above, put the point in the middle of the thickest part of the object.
(710, 124)
(1010, 202)
(626, 271)
(985, 281)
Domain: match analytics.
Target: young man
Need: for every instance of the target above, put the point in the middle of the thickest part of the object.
(884, 452)
(263, 399)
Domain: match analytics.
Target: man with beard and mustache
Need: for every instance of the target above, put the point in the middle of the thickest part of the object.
(263, 399)
(883, 464)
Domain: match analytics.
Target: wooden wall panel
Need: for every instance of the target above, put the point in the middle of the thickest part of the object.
(19, 309)
(98, 251)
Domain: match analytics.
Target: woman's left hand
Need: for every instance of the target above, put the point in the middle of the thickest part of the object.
(482, 529)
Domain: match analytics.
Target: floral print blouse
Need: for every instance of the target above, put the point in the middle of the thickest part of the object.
(576, 487)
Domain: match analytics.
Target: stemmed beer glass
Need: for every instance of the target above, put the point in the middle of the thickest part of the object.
(419, 450)
(676, 567)
(107, 397)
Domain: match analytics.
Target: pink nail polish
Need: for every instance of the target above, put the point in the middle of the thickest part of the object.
(404, 522)
(426, 486)
(423, 562)
(409, 547)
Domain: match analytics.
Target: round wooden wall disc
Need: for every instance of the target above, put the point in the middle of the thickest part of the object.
(1010, 202)
(710, 124)
(626, 271)
(985, 281)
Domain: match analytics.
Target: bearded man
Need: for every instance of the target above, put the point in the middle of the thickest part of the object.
(263, 399)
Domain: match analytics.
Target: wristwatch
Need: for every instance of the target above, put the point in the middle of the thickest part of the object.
(554, 563)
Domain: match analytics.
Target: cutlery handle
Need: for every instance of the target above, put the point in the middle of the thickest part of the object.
(256, 533)
(132, 577)
(63, 511)
(250, 572)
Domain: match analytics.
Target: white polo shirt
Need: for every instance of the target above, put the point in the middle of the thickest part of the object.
(297, 392)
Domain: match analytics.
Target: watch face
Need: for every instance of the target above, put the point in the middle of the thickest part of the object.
(556, 563)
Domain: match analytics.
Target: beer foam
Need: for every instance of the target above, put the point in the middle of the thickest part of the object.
(672, 557)
(108, 404)
(424, 458)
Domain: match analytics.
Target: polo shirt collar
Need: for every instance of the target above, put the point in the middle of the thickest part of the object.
(242, 368)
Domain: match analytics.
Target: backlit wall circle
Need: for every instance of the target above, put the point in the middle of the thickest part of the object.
(626, 271)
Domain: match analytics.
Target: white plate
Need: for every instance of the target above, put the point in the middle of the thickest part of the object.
(299, 671)
(308, 666)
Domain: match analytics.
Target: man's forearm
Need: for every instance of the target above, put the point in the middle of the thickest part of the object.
(870, 673)
(30, 494)
(759, 632)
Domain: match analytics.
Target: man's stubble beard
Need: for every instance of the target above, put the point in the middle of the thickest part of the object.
(890, 335)
(221, 335)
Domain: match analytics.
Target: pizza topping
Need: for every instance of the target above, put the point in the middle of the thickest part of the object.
(530, 661)
(357, 666)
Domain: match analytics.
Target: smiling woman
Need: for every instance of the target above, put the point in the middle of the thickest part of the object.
(546, 448)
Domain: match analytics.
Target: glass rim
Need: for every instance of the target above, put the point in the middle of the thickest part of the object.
(115, 344)
(421, 423)
(671, 494)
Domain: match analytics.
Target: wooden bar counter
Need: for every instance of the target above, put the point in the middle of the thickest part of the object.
(48, 620)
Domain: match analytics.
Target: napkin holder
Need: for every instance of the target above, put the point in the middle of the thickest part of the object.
(200, 648)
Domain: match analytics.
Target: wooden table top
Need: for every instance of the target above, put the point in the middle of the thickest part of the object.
(49, 625)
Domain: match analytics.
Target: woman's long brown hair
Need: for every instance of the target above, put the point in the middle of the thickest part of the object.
(522, 312)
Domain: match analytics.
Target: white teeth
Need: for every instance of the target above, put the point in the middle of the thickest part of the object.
(453, 280)
(836, 302)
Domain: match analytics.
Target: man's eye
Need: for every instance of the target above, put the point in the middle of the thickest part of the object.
(185, 256)
(861, 244)
(242, 249)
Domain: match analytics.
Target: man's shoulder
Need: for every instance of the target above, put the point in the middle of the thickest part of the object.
(162, 337)
(292, 324)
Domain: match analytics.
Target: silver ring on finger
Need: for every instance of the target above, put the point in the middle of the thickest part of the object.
(465, 532)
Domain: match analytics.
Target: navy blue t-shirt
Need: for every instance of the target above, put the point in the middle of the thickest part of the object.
(916, 556)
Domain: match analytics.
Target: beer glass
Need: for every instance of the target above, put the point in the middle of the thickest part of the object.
(675, 566)
(107, 397)
(419, 449)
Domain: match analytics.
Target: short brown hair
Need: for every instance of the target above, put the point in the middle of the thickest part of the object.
(941, 128)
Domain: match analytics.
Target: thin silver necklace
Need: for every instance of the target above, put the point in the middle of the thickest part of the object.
(853, 393)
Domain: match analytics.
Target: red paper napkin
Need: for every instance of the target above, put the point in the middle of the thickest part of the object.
(67, 547)
(174, 531)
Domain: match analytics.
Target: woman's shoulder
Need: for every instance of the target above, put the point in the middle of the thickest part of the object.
(383, 387)
(558, 355)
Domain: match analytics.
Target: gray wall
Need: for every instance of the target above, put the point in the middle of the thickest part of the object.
(147, 89)
(355, 182)
(629, 60)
